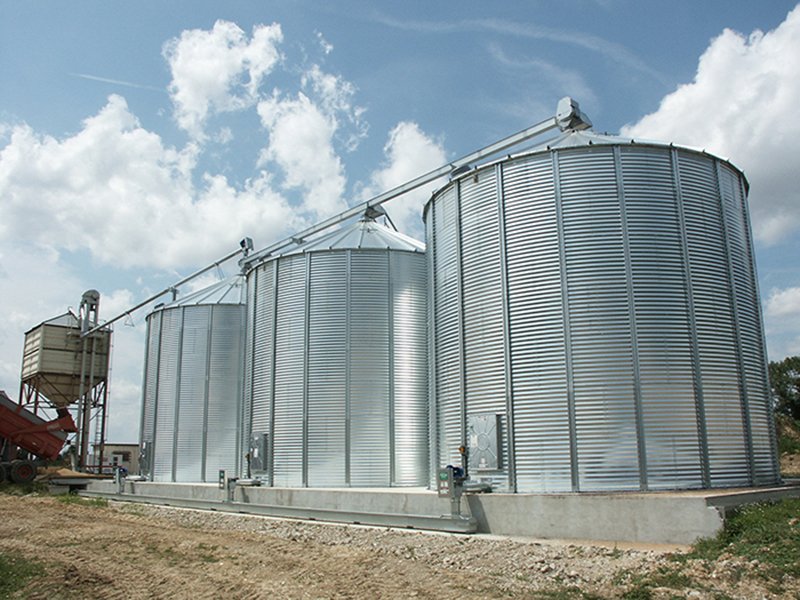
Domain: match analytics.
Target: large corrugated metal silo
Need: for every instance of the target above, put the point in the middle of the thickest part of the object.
(191, 410)
(596, 321)
(336, 375)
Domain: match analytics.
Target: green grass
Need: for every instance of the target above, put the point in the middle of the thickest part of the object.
(769, 533)
(640, 585)
(80, 500)
(788, 445)
(566, 593)
(15, 573)
(23, 489)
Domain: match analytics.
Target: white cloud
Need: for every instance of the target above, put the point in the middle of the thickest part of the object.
(741, 106)
(409, 153)
(117, 191)
(301, 144)
(784, 303)
(220, 70)
(334, 96)
(326, 46)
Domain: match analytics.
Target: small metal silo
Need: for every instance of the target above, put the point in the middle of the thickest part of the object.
(596, 321)
(191, 410)
(336, 362)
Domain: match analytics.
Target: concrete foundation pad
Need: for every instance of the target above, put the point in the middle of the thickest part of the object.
(652, 518)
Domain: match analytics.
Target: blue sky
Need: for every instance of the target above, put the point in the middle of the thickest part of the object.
(140, 140)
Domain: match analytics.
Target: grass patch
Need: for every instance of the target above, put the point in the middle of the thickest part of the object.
(788, 445)
(641, 585)
(23, 489)
(15, 573)
(768, 533)
(566, 593)
(73, 499)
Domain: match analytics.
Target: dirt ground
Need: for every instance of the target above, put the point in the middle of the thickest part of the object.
(140, 551)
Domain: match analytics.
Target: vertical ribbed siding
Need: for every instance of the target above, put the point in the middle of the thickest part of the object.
(259, 358)
(410, 382)
(194, 375)
(150, 389)
(600, 325)
(716, 339)
(245, 415)
(167, 395)
(369, 370)
(749, 328)
(349, 353)
(539, 369)
(635, 340)
(223, 408)
(192, 394)
(482, 305)
(288, 452)
(327, 370)
(447, 342)
(662, 322)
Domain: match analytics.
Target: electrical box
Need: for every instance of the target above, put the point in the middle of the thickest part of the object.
(444, 482)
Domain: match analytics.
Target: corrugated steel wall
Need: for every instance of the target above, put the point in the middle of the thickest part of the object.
(191, 415)
(337, 365)
(602, 300)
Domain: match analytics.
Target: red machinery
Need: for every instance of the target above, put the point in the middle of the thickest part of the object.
(20, 428)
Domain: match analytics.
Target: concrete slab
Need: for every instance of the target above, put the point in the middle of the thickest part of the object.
(650, 518)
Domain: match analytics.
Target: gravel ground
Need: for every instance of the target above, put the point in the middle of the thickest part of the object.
(142, 551)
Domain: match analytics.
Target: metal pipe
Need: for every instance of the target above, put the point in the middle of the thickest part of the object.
(459, 165)
(216, 263)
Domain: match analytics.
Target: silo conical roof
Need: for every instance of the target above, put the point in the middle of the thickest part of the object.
(227, 291)
(364, 234)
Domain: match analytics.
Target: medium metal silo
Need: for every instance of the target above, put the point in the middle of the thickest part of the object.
(596, 321)
(336, 362)
(191, 409)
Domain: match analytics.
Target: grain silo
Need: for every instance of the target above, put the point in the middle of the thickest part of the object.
(596, 321)
(336, 355)
(191, 410)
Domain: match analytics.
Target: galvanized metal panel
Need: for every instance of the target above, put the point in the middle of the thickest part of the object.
(327, 369)
(409, 293)
(370, 444)
(150, 384)
(194, 373)
(260, 355)
(749, 329)
(189, 432)
(482, 302)
(167, 395)
(600, 324)
(223, 406)
(245, 417)
(634, 334)
(442, 225)
(288, 452)
(716, 338)
(350, 405)
(539, 368)
(664, 342)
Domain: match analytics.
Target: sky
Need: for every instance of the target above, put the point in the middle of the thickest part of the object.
(140, 141)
